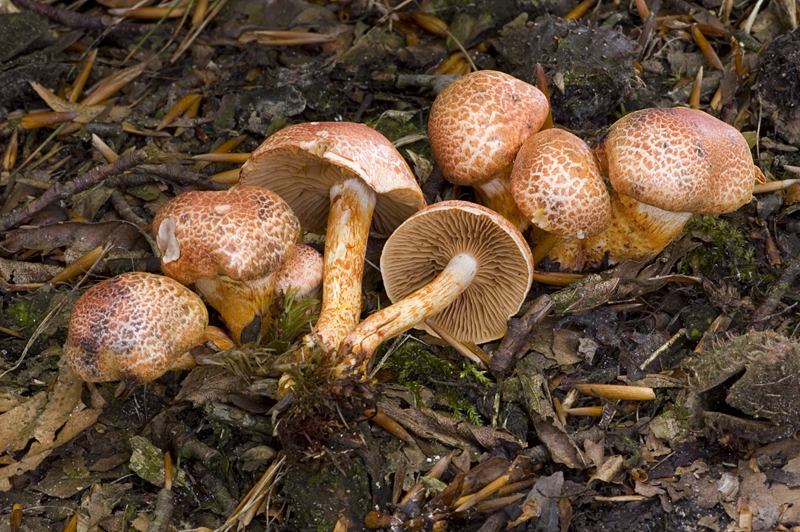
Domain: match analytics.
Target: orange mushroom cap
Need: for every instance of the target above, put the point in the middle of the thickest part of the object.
(556, 183)
(245, 232)
(680, 160)
(302, 162)
(478, 123)
(301, 272)
(132, 327)
(230, 244)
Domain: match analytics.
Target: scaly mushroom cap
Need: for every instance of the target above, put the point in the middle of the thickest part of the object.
(132, 327)
(245, 232)
(478, 123)
(421, 248)
(302, 162)
(556, 183)
(302, 272)
(680, 160)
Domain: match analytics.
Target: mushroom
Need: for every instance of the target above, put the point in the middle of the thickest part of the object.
(458, 264)
(302, 272)
(134, 327)
(230, 245)
(477, 125)
(347, 177)
(557, 185)
(664, 165)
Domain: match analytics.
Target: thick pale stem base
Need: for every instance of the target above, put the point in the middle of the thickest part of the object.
(243, 305)
(349, 218)
(420, 305)
(496, 194)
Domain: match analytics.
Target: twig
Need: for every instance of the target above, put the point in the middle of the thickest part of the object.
(517, 336)
(61, 191)
(124, 209)
(176, 174)
(82, 21)
(775, 295)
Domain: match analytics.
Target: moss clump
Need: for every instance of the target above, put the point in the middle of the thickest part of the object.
(415, 367)
(726, 251)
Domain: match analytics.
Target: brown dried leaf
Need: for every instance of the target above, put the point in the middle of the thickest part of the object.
(21, 272)
(17, 468)
(209, 383)
(17, 425)
(608, 470)
(61, 402)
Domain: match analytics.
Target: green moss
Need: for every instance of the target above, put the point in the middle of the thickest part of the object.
(726, 252)
(415, 367)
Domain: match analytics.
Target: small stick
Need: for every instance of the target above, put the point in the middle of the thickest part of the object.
(557, 278)
(579, 10)
(773, 186)
(465, 503)
(80, 81)
(165, 502)
(59, 191)
(182, 106)
(388, 424)
(71, 19)
(694, 97)
(236, 158)
(706, 48)
(78, 267)
(662, 348)
(616, 391)
(479, 359)
(776, 293)
(591, 411)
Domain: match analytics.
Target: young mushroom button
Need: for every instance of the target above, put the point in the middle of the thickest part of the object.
(345, 179)
(664, 165)
(461, 265)
(134, 327)
(476, 126)
(230, 245)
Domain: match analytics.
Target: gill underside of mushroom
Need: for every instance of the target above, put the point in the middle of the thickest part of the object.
(360, 344)
(496, 194)
(243, 305)
(349, 219)
(637, 231)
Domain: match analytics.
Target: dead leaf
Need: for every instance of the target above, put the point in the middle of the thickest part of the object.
(16, 425)
(87, 114)
(608, 470)
(209, 383)
(647, 490)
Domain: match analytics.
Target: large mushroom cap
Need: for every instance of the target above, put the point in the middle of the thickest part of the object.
(302, 162)
(556, 183)
(421, 248)
(680, 160)
(132, 327)
(478, 123)
(245, 232)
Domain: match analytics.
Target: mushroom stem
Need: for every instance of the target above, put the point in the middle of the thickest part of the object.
(349, 219)
(496, 194)
(421, 304)
(637, 231)
(243, 305)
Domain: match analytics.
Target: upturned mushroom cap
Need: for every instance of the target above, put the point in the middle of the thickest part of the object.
(680, 160)
(424, 244)
(478, 123)
(302, 272)
(245, 232)
(302, 162)
(133, 327)
(556, 183)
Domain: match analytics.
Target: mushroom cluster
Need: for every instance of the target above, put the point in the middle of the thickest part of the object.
(453, 267)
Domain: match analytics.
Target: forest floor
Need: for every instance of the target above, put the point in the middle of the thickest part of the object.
(709, 326)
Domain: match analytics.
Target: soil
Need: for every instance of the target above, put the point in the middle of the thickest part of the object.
(709, 325)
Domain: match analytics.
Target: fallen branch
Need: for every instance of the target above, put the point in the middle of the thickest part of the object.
(62, 191)
(82, 21)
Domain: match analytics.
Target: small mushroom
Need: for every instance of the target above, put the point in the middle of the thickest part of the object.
(345, 177)
(556, 183)
(664, 165)
(477, 125)
(302, 272)
(458, 264)
(134, 327)
(230, 245)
